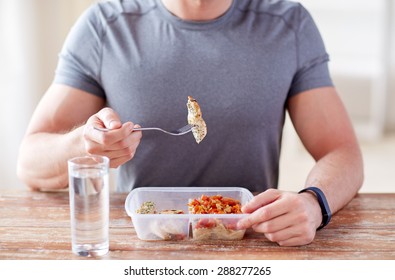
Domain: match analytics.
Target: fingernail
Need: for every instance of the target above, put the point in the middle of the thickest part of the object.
(111, 122)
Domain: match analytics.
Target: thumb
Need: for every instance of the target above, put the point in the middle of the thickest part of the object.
(109, 118)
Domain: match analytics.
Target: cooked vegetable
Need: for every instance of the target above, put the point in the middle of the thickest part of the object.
(216, 204)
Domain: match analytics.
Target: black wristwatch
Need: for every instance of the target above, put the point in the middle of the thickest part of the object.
(325, 210)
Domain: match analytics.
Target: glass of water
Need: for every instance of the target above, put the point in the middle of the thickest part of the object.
(89, 205)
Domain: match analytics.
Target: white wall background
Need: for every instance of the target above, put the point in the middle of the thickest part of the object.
(359, 35)
(360, 38)
(31, 35)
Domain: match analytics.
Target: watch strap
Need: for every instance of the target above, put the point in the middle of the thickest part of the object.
(325, 210)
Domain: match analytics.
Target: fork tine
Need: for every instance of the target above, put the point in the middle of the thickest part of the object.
(183, 130)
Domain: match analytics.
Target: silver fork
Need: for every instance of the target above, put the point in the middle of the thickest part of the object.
(181, 131)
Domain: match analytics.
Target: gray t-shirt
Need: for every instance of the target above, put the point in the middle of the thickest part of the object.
(241, 68)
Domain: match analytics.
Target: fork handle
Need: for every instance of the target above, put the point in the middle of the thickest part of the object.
(158, 129)
(134, 129)
(146, 128)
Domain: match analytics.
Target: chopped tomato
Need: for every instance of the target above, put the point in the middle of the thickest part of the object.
(206, 223)
(216, 204)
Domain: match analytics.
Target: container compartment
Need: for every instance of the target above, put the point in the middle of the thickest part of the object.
(177, 226)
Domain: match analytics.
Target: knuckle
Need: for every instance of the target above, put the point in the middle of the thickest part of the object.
(265, 227)
(130, 150)
(106, 111)
(86, 134)
(249, 221)
(272, 191)
(124, 144)
(308, 233)
(309, 237)
(90, 149)
(93, 150)
(298, 202)
(136, 136)
(303, 217)
(265, 214)
(271, 237)
(114, 164)
(269, 227)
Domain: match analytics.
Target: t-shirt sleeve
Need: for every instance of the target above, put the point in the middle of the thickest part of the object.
(312, 59)
(80, 58)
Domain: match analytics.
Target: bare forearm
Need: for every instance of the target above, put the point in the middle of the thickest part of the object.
(42, 162)
(339, 175)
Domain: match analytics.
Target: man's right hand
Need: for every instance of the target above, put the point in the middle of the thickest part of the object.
(119, 144)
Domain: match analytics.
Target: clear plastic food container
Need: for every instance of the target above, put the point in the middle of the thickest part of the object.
(184, 226)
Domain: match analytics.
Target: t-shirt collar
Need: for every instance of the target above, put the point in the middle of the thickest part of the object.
(197, 25)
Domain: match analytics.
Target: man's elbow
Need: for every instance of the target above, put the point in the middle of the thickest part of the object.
(36, 183)
(359, 167)
(24, 176)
